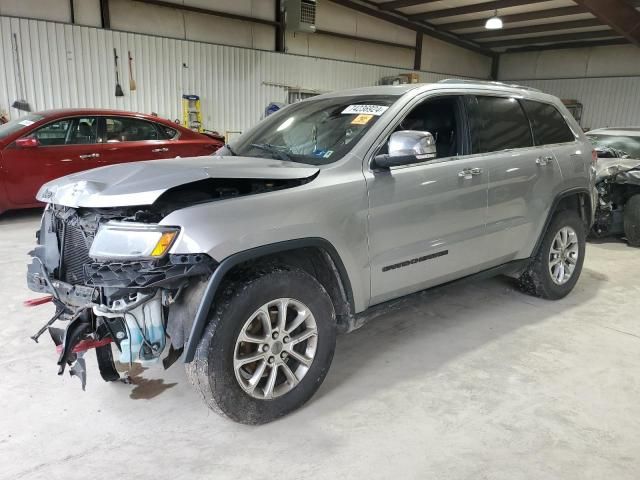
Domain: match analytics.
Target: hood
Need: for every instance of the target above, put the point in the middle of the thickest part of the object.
(142, 183)
(610, 167)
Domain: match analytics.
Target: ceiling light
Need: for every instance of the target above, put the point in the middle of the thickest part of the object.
(494, 23)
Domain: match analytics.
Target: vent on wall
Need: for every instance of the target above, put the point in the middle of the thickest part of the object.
(300, 15)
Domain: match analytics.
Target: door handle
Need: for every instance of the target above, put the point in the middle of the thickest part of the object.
(543, 161)
(470, 172)
(90, 155)
(158, 150)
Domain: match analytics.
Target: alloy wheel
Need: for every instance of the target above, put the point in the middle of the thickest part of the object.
(563, 255)
(275, 348)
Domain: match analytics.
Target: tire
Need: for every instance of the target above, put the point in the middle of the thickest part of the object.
(632, 221)
(538, 280)
(214, 371)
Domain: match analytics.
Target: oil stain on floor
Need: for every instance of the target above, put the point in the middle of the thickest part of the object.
(145, 388)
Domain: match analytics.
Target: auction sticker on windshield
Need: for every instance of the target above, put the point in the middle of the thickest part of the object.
(365, 110)
(361, 120)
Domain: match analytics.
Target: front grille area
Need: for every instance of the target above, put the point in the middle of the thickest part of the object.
(75, 253)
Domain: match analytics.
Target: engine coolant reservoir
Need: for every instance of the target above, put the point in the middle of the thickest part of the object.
(145, 333)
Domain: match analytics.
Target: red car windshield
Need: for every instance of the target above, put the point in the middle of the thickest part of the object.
(18, 124)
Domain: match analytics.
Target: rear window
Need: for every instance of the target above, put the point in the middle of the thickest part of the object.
(548, 125)
(498, 123)
(18, 124)
(166, 133)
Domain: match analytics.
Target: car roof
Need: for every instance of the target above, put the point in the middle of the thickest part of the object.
(615, 131)
(458, 84)
(73, 112)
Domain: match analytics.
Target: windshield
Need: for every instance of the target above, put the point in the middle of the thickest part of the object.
(628, 145)
(18, 124)
(317, 132)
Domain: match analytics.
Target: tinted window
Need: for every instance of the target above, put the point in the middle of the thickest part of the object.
(124, 129)
(166, 133)
(498, 123)
(438, 117)
(84, 131)
(54, 133)
(548, 124)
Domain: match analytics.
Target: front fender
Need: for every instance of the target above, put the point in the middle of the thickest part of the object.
(333, 207)
(204, 307)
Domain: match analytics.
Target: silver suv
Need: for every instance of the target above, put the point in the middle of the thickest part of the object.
(248, 263)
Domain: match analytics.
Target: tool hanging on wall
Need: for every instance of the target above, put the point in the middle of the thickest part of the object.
(132, 82)
(191, 113)
(119, 92)
(21, 103)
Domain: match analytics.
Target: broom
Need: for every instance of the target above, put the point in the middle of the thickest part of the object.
(119, 92)
(20, 104)
(132, 82)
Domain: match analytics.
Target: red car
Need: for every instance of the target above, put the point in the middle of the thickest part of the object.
(42, 146)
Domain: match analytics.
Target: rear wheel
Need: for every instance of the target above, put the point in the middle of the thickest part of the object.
(267, 348)
(557, 265)
(632, 220)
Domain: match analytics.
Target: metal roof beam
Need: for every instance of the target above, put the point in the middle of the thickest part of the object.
(547, 27)
(475, 8)
(553, 39)
(403, 3)
(518, 17)
(618, 14)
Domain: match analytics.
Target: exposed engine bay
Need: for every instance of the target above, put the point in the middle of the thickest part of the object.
(618, 179)
(131, 309)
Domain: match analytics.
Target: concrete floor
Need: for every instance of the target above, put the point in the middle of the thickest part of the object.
(468, 382)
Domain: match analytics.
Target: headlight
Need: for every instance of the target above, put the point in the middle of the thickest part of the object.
(123, 240)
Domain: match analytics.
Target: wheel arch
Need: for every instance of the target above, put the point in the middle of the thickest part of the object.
(334, 278)
(577, 199)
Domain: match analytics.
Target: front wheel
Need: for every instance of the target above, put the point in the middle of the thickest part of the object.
(267, 348)
(555, 269)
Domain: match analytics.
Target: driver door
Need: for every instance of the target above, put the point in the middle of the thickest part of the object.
(427, 221)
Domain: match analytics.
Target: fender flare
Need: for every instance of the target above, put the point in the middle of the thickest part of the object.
(202, 313)
(554, 209)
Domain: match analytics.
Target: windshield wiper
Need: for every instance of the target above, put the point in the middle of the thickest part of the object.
(273, 149)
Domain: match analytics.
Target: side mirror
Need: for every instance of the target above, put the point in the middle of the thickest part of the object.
(406, 147)
(27, 142)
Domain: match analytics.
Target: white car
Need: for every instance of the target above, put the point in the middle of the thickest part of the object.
(618, 183)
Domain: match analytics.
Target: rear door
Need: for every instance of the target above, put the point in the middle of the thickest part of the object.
(427, 220)
(522, 176)
(65, 146)
(132, 139)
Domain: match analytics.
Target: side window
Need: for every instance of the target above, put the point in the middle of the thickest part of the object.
(548, 124)
(124, 129)
(54, 133)
(498, 123)
(84, 131)
(166, 133)
(440, 117)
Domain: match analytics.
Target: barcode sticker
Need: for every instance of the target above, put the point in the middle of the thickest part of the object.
(376, 110)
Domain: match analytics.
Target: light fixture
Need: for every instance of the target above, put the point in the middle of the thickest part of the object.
(494, 23)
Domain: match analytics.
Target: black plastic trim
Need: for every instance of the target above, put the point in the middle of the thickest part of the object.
(202, 314)
(553, 210)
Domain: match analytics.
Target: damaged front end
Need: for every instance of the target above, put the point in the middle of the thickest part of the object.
(105, 298)
(617, 180)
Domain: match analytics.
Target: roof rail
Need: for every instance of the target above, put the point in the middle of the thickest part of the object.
(488, 83)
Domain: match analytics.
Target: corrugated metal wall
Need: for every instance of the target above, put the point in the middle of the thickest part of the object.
(607, 102)
(73, 66)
